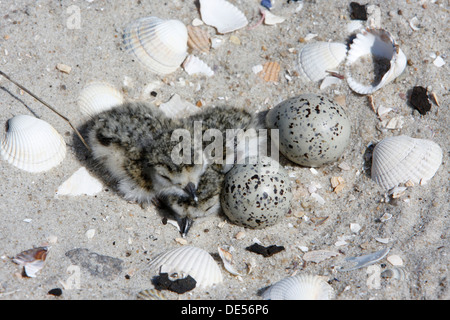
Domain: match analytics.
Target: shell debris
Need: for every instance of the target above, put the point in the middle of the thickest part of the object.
(198, 39)
(270, 71)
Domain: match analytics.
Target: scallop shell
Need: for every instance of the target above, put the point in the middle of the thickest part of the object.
(191, 261)
(315, 59)
(97, 97)
(193, 65)
(32, 144)
(375, 43)
(400, 159)
(270, 71)
(160, 45)
(300, 287)
(198, 39)
(222, 15)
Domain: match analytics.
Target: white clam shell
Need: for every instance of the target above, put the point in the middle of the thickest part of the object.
(401, 159)
(80, 183)
(32, 144)
(300, 287)
(191, 261)
(160, 45)
(315, 59)
(377, 43)
(193, 65)
(97, 97)
(222, 15)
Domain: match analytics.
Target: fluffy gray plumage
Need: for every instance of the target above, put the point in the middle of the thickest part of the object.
(132, 142)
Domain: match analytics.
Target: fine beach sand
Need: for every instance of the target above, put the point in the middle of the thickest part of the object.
(36, 36)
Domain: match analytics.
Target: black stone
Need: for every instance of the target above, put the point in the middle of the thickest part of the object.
(162, 282)
(265, 251)
(419, 100)
(55, 292)
(358, 11)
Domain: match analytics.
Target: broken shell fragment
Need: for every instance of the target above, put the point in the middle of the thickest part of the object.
(32, 260)
(188, 260)
(198, 39)
(222, 15)
(160, 45)
(376, 50)
(270, 71)
(97, 97)
(401, 159)
(316, 59)
(193, 65)
(80, 183)
(32, 144)
(300, 287)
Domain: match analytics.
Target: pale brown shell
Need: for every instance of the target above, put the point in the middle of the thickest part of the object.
(270, 71)
(198, 39)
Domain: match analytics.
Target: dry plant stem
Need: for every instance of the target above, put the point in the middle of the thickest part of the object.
(48, 106)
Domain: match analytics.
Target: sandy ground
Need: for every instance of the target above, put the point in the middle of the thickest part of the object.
(35, 36)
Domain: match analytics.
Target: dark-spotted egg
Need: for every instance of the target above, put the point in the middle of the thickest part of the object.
(256, 195)
(313, 130)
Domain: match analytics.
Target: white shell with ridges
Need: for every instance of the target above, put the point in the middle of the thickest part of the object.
(191, 261)
(193, 65)
(300, 287)
(97, 97)
(160, 45)
(377, 43)
(32, 144)
(401, 159)
(315, 59)
(222, 15)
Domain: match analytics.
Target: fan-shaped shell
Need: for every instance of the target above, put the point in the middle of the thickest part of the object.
(32, 144)
(315, 59)
(97, 97)
(300, 287)
(160, 45)
(222, 15)
(401, 159)
(193, 65)
(191, 261)
(198, 39)
(375, 44)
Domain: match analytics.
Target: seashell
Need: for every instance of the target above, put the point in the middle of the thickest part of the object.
(193, 65)
(315, 59)
(191, 261)
(365, 260)
(97, 97)
(80, 183)
(222, 15)
(300, 287)
(178, 108)
(400, 159)
(32, 144)
(160, 45)
(397, 272)
(373, 47)
(151, 294)
(32, 260)
(198, 39)
(270, 71)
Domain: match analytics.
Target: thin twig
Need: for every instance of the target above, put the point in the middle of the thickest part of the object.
(47, 105)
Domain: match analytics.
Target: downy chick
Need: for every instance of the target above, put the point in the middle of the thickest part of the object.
(133, 143)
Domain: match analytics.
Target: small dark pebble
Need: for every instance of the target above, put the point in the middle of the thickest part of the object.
(419, 100)
(162, 282)
(55, 292)
(358, 11)
(265, 251)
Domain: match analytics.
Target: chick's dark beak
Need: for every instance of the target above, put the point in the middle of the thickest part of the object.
(191, 190)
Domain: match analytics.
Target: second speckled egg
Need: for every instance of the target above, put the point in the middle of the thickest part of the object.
(256, 195)
(313, 130)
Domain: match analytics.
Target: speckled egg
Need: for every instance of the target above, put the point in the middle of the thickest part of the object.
(256, 195)
(313, 130)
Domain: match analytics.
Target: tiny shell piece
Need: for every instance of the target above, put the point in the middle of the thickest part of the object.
(227, 259)
(64, 68)
(193, 65)
(80, 183)
(270, 71)
(400, 159)
(191, 261)
(32, 260)
(97, 97)
(318, 256)
(32, 144)
(222, 15)
(300, 287)
(270, 18)
(177, 107)
(198, 39)
(316, 59)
